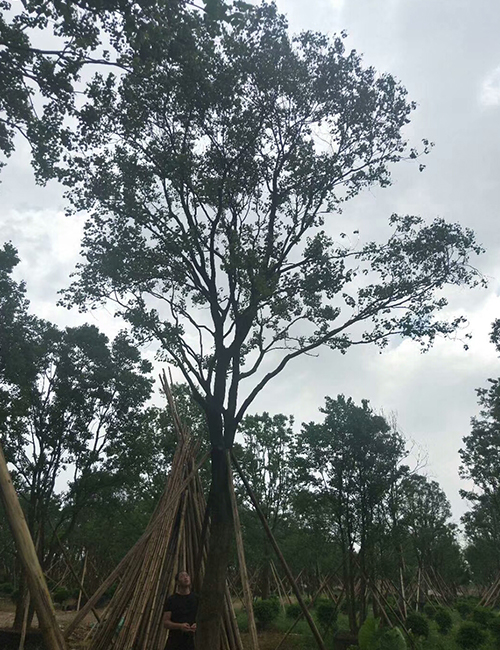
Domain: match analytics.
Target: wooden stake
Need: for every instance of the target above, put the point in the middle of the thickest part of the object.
(38, 587)
(278, 552)
(247, 593)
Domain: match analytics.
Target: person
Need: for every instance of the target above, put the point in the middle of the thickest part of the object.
(180, 614)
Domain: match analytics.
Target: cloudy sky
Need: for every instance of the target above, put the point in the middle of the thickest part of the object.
(447, 54)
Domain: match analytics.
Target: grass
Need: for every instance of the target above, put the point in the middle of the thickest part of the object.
(302, 638)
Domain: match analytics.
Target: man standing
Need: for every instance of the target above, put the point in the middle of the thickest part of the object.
(180, 614)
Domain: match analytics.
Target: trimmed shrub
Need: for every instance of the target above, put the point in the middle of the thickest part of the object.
(482, 615)
(293, 611)
(60, 595)
(372, 636)
(494, 628)
(326, 613)
(444, 620)
(470, 636)
(417, 624)
(464, 608)
(266, 611)
(429, 610)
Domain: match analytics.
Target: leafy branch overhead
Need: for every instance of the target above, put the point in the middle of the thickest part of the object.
(212, 172)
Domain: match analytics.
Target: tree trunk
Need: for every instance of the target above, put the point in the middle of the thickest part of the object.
(219, 549)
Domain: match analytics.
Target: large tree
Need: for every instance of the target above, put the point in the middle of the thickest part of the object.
(212, 172)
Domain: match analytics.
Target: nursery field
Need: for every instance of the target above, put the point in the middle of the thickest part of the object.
(464, 627)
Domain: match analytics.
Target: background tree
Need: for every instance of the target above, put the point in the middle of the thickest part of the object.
(426, 515)
(480, 458)
(208, 170)
(266, 456)
(350, 460)
(75, 405)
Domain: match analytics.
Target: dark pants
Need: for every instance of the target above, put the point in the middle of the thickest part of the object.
(180, 641)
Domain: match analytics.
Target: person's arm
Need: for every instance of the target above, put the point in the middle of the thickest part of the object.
(170, 625)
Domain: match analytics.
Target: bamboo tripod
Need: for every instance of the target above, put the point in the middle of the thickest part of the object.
(173, 540)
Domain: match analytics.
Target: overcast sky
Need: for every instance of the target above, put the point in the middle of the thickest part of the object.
(447, 54)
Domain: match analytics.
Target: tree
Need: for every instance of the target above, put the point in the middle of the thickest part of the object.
(45, 45)
(74, 404)
(267, 457)
(208, 172)
(351, 459)
(426, 515)
(480, 458)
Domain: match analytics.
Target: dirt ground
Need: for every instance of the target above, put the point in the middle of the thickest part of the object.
(7, 610)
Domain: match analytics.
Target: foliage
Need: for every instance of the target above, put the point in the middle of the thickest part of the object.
(326, 614)
(470, 636)
(266, 611)
(350, 461)
(172, 234)
(61, 594)
(374, 637)
(418, 624)
(6, 588)
(426, 514)
(430, 610)
(443, 619)
(266, 456)
(494, 627)
(464, 608)
(482, 615)
(211, 169)
(293, 610)
(480, 464)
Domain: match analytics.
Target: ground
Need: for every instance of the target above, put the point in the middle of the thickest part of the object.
(7, 609)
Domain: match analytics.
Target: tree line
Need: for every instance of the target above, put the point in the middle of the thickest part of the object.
(90, 456)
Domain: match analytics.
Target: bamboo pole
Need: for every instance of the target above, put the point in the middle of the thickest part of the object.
(81, 582)
(299, 617)
(247, 593)
(25, 622)
(312, 624)
(73, 572)
(38, 587)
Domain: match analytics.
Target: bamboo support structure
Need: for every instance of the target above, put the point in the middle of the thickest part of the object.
(312, 624)
(36, 582)
(247, 593)
(172, 542)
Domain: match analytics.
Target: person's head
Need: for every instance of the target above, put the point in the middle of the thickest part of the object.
(183, 579)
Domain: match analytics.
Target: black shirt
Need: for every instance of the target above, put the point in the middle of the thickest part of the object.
(183, 607)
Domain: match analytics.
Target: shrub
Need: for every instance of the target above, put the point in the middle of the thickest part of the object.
(326, 613)
(293, 611)
(482, 615)
(266, 611)
(443, 619)
(463, 608)
(417, 624)
(429, 610)
(494, 627)
(61, 594)
(6, 588)
(372, 636)
(470, 636)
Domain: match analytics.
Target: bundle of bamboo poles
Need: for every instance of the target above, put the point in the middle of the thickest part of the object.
(173, 541)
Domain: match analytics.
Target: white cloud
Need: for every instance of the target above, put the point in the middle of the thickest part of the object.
(490, 89)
